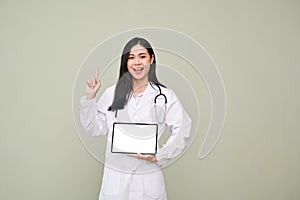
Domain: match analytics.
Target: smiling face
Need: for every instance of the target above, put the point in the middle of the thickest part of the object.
(138, 63)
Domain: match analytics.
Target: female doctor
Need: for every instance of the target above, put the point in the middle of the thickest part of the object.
(137, 97)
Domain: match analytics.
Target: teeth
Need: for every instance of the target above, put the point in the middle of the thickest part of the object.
(138, 68)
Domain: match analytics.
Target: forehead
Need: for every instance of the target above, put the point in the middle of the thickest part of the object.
(137, 49)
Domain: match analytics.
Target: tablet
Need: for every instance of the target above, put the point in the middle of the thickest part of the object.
(133, 138)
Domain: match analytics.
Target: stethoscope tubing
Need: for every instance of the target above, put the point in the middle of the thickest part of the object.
(165, 107)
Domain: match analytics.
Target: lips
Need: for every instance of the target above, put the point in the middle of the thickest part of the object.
(138, 70)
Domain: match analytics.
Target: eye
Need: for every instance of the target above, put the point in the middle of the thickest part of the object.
(130, 57)
(143, 56)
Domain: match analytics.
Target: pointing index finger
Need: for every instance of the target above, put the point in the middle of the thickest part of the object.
(97, 73)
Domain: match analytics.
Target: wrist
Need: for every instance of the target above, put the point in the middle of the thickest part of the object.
(90, 96)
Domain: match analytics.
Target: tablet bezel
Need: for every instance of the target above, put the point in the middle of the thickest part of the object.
(143, 153)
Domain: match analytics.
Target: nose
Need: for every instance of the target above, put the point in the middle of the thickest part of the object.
(137, 61)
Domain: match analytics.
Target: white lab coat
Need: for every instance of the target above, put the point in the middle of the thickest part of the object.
(129, 178)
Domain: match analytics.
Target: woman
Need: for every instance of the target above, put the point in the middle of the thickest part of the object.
(129, 177)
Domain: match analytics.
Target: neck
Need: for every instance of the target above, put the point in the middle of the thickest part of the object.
(139, 86)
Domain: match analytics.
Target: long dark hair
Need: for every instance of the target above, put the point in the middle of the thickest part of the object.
(123, 89)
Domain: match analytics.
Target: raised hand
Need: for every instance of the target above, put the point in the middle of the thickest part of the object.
(92, 86)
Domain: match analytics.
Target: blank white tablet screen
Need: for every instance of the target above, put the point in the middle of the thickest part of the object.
(134, 138)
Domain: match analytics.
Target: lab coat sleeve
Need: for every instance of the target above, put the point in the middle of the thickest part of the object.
(179, 123)
(93, 115)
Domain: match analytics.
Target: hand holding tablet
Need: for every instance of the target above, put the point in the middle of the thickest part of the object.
(150, 158)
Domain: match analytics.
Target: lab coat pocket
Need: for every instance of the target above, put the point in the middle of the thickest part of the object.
(111, 182)
(154, 186)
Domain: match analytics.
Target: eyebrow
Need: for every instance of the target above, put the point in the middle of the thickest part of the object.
(131, 54)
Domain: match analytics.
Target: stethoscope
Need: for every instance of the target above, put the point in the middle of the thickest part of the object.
(165, 106)
(155, 107)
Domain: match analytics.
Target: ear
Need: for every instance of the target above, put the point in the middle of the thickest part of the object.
(152, 59)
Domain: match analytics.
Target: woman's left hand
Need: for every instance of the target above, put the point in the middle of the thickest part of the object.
(150, 158)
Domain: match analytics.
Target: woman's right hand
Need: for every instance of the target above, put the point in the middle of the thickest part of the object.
(92, 86)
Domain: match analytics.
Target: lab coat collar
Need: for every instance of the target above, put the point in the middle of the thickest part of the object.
(148, 95)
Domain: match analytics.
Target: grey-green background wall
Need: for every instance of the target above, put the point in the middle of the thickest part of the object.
(255, 44)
